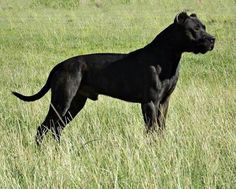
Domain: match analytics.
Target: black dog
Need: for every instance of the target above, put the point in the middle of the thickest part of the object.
(147, 76)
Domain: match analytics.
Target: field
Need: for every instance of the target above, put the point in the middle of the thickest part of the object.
(106, 146)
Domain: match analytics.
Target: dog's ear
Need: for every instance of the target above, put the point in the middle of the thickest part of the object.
(180, 18)
(193, 15)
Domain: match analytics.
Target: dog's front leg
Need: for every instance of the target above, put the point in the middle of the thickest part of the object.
(149, 115)
(161, 110)
(162, 105)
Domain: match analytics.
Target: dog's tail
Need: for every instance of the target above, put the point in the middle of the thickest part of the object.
(36, 96)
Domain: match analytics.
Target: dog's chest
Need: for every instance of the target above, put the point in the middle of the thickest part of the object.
(159, 89)
(168, 86)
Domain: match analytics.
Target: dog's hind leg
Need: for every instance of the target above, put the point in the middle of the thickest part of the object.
(77, 104)
(64, 88)
(45, 126)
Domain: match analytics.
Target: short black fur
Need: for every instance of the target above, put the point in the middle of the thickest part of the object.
(147, 76)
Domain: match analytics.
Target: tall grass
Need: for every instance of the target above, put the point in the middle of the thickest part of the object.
(105, 146)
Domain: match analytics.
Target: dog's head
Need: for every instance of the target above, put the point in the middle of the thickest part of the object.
(194, 37)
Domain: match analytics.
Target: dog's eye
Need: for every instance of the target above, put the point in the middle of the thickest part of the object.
(197, 28)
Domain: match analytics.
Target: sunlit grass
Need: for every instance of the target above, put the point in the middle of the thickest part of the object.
(106, 146)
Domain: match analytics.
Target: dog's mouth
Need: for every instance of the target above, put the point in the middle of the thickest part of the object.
(204, 46)
(212, 46)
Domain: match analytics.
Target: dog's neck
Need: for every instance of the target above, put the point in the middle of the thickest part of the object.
(167, 48)
(169, 39)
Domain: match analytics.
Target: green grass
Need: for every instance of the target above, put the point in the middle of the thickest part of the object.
(105, 146)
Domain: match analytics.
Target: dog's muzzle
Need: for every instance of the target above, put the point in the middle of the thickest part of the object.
(205, 44)
(211, 43)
